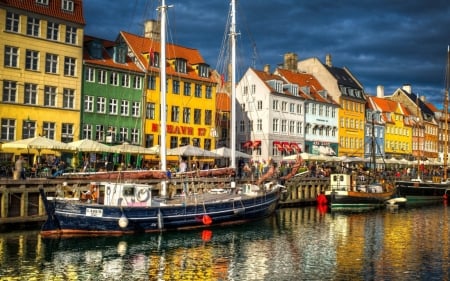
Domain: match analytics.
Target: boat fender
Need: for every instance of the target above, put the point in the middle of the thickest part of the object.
(123, 221)
(206, 220)
(142, 195)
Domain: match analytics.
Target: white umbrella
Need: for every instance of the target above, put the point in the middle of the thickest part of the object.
(226, 152)
(133, 149)
(190, 150)
(87, 145)
(38, 143)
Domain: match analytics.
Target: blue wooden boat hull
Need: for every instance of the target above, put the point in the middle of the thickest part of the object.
(77, 218)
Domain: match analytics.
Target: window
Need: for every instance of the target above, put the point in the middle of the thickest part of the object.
(135, 136)
(176, 86)
(50, 96)
(186, 115)
(208, 117)
(242, 126)
(100, 132)
(151, 82)
(275, 105)
(101, 105)
(197, 116)
(250, 126)
(113, 104)
(187, 88)
(203, 70)
(69, 66)
(180, 65)
(28, 129)
(87, 131)
(90, 74)
(88, 103)
(32, 60)
(42, 2)
(48, 130)
(136, 109)
(150, 111)
(259, 125)
(137, 82)
(30, 94)
(9, 91)
(284, 106)
(291, 127)
(52, 31)
(102, 76)
(198, 90)
(125, 80)
(68, 98)
(67, 5)
(275, 125)
(8, 129)
(114, 79)
(66, 132)
(125, 108)
(51, 63)
(11, 56)
(71, 35)
(175, 114)
(12, 22)
(259, 105)
(123, 134)
(33, 25)
(284, 126)
(208, 92)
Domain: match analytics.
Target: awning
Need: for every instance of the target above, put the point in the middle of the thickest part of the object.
(295, 147)
(247, 144)
(256, 143)
(287, 146)
(278, 145)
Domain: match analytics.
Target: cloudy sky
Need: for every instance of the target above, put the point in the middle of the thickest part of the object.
(384, 42)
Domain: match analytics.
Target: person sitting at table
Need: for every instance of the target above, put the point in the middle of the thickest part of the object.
(60, 169)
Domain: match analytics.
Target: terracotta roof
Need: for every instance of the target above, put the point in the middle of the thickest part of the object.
(53, 9)
(264, 76)
(142, 46)
(223, 102)
(107, 60)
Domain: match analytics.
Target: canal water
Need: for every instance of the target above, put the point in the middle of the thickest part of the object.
(295, 244)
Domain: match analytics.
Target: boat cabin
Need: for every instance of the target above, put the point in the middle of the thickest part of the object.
(121, 194)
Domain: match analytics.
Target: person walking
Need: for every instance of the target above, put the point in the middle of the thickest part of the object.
(20, 169)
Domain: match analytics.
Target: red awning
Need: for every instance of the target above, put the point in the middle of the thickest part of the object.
(247, 144)
(278, 145)
(287, 147)
(256, 143)
(295, 147)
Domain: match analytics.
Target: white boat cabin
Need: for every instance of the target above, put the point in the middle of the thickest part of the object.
(121, 194)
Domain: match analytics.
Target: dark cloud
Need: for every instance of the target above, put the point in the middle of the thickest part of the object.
(385, 42)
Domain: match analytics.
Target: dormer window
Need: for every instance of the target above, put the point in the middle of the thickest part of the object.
(180, 65)
(67, 5)
(153, 59)
(203, 70)
(120, 53)
(42, 2)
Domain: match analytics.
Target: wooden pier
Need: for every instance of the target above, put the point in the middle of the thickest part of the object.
(21, 205)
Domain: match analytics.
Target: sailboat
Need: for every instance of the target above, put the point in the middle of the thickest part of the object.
(112, 208)
(344, 193)
(417, 191)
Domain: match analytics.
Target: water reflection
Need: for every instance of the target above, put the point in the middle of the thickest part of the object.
(296, 244)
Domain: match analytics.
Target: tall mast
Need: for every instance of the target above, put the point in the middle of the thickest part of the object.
(233, 84)
(162, 67)
(447, 86)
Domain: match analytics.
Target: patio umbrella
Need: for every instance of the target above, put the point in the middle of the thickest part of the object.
(38, 143)
(134, 149)
(226, 152)
(87, 145)
(190, 150)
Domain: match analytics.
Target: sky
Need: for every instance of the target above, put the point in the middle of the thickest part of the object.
(384, 42)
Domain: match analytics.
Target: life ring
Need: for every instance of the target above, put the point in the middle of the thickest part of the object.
(142, 195)
(206, 220)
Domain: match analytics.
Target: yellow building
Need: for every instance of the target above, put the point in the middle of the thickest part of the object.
(190, 99)
(41, 69)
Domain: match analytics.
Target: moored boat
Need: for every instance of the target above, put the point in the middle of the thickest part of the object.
(344, 193)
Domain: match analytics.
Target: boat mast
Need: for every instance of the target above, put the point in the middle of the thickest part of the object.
(373, 150)
(162, 67)
(233, 84)
(447, 86)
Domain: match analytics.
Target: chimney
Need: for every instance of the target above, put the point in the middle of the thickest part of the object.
(423, 98)
(152, 29)
(267, 68)
(290, 61)
(380, 91)
(407, 88)
(328, 60)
